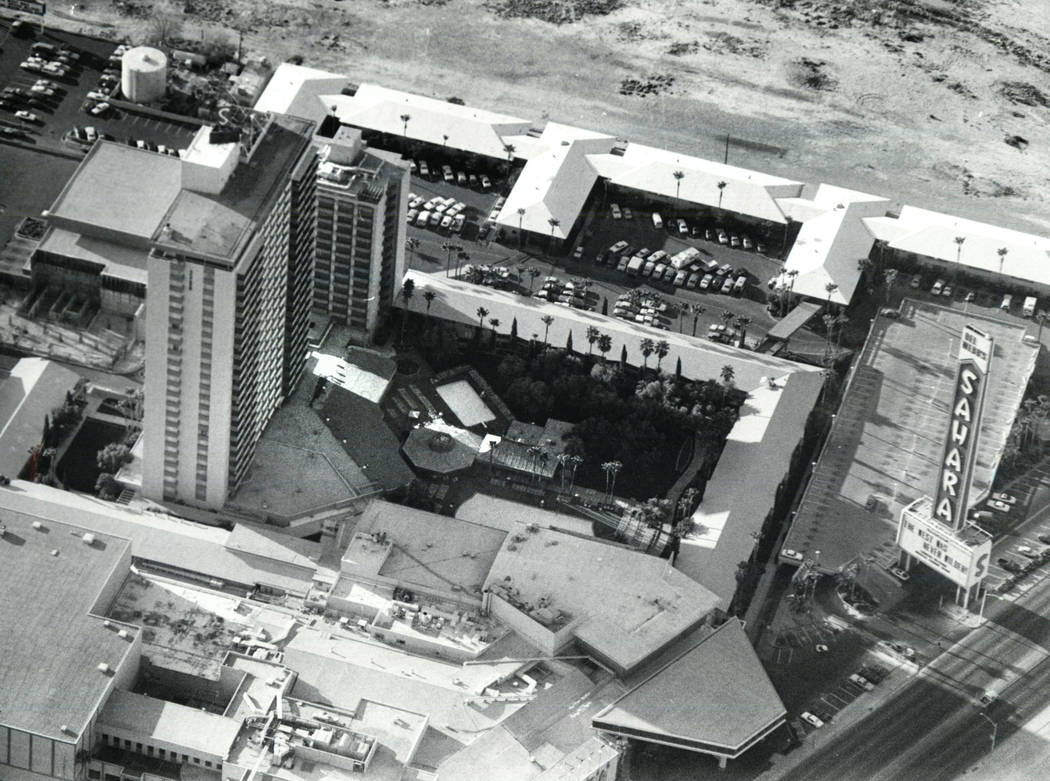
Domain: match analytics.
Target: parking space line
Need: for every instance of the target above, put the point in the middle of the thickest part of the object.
(844, 703)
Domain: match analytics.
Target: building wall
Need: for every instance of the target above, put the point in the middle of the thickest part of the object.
(302, 243)
(141, 742)
(190, 319)
(533, 631)
(45, 757)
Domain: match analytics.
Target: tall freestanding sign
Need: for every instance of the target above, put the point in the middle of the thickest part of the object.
(951, 502)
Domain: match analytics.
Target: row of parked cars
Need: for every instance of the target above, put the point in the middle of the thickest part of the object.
(687, 269)
(462, 178)
(446, 214)
(679, 226)
(570, 293)
(646, 309)
(865, 680)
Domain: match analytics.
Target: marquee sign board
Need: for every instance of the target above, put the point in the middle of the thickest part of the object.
(961, 556)
(25, 6)
(950, 504)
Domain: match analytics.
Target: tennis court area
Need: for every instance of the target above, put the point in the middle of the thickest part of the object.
(465, 403)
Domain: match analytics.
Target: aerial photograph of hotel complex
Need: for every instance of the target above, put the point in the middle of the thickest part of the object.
(411, 390)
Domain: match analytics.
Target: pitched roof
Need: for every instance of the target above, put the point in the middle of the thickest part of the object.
(744, 485)
(933, 235)
(731, 701)
(555, 182)
(34, 388)
(470, 129)
(296, 90)
(649, 169)
(831, 241)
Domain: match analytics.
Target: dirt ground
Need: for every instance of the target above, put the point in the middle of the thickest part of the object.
(911, 99)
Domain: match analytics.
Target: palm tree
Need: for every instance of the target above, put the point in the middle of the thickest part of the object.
(547, 320)
(444, 139)
(461, 257)
(890, 278)
(411, 244)
(683, 310)
(698, 309)
(533, 273)
(604, 345)
(958, 255)
(662, 348)
(592, 337)
(482, 313)
(840, 322)
(509, 149)
(429, 296)
(521, 233)
(408, 289)
(727, 374)
(727, 317)
(554, 222)
(830, 288)
(494, 324)
(404, 124)
(1001, 252)
(742, 323)
(574, 462)
(647, 347)
(562, 459)
(611, 469)
(721, 188)
(678, 176)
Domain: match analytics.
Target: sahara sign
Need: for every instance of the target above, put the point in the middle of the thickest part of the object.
(956, 473)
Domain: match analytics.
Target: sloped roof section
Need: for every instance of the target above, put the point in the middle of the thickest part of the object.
(296, 90)
(652, 170)
(933, 235)
(831, 242)
(430, 120)
(555, 183)
(756, 457)
(731, 702)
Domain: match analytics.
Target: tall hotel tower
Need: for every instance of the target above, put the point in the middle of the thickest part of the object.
(227, 305)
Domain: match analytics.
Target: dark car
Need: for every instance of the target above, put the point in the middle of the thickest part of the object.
(21, 28)
(1008, 564)
(1044, 538)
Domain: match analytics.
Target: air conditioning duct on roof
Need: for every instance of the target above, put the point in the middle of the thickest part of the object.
(88, 538)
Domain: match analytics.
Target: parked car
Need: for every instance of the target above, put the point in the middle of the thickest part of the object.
(614, 209)
(27, 116)
(458, 222)
(461, 179)
(1002, 507)
(734, 240)
(446, 172)
(424, 169)
(578, 252)
(423, 219)
(680, 278)
(100, 109)
(1007, 301)
(723, 237)
(890, 312)
(1028, 551)
(1008, 564)
(627, 213)
(916, 280)
(746, 241)
(683, 228)
(40, 89)
(809, 718)
(862, 682)
(936, 289)
(1000, 496)
(486, 183)
(706, 280)
(900, 573)
(947, 292)
(693, 281)
(411, 217)
(727, 285)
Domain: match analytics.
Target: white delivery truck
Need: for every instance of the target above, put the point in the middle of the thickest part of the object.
(685, 258)
(1029, 306)
(634, 266)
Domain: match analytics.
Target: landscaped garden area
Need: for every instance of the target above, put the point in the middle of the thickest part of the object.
(645, 419)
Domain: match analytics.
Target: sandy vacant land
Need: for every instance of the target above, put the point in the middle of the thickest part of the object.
(912, 99)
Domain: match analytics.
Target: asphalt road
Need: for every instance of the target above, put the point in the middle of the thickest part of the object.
(932, 729)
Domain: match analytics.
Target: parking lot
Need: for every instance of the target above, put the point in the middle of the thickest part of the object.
(599, 231)
(57, 114)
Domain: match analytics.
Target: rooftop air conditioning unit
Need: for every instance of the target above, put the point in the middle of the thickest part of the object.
(37, 525)
(88, 538)
(107, 623)
(123, 634)
(104, 668)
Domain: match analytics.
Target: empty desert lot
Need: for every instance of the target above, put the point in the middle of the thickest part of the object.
(914, 100)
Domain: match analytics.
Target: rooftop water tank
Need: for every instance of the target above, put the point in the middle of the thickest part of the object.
(144, 74)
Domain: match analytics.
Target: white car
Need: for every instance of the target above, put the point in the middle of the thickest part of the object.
(446, 172)
(27, 116)
(422, 219)
(40, 89)
(862, 682)
(627, 214)
(102, 108)
(614, 208)
(446, 222)
(35, 67)
(486, 183)
(683, 228)
(412, 214)
(457, 223)
(900, 573)
(1004, 497)
(1002, 507)
(809, 718)
(787, 553)
(416, 202)
(578, 252)
(46, 83)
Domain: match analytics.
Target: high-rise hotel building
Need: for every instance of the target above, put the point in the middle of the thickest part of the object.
(362, 197)
(227, 306)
